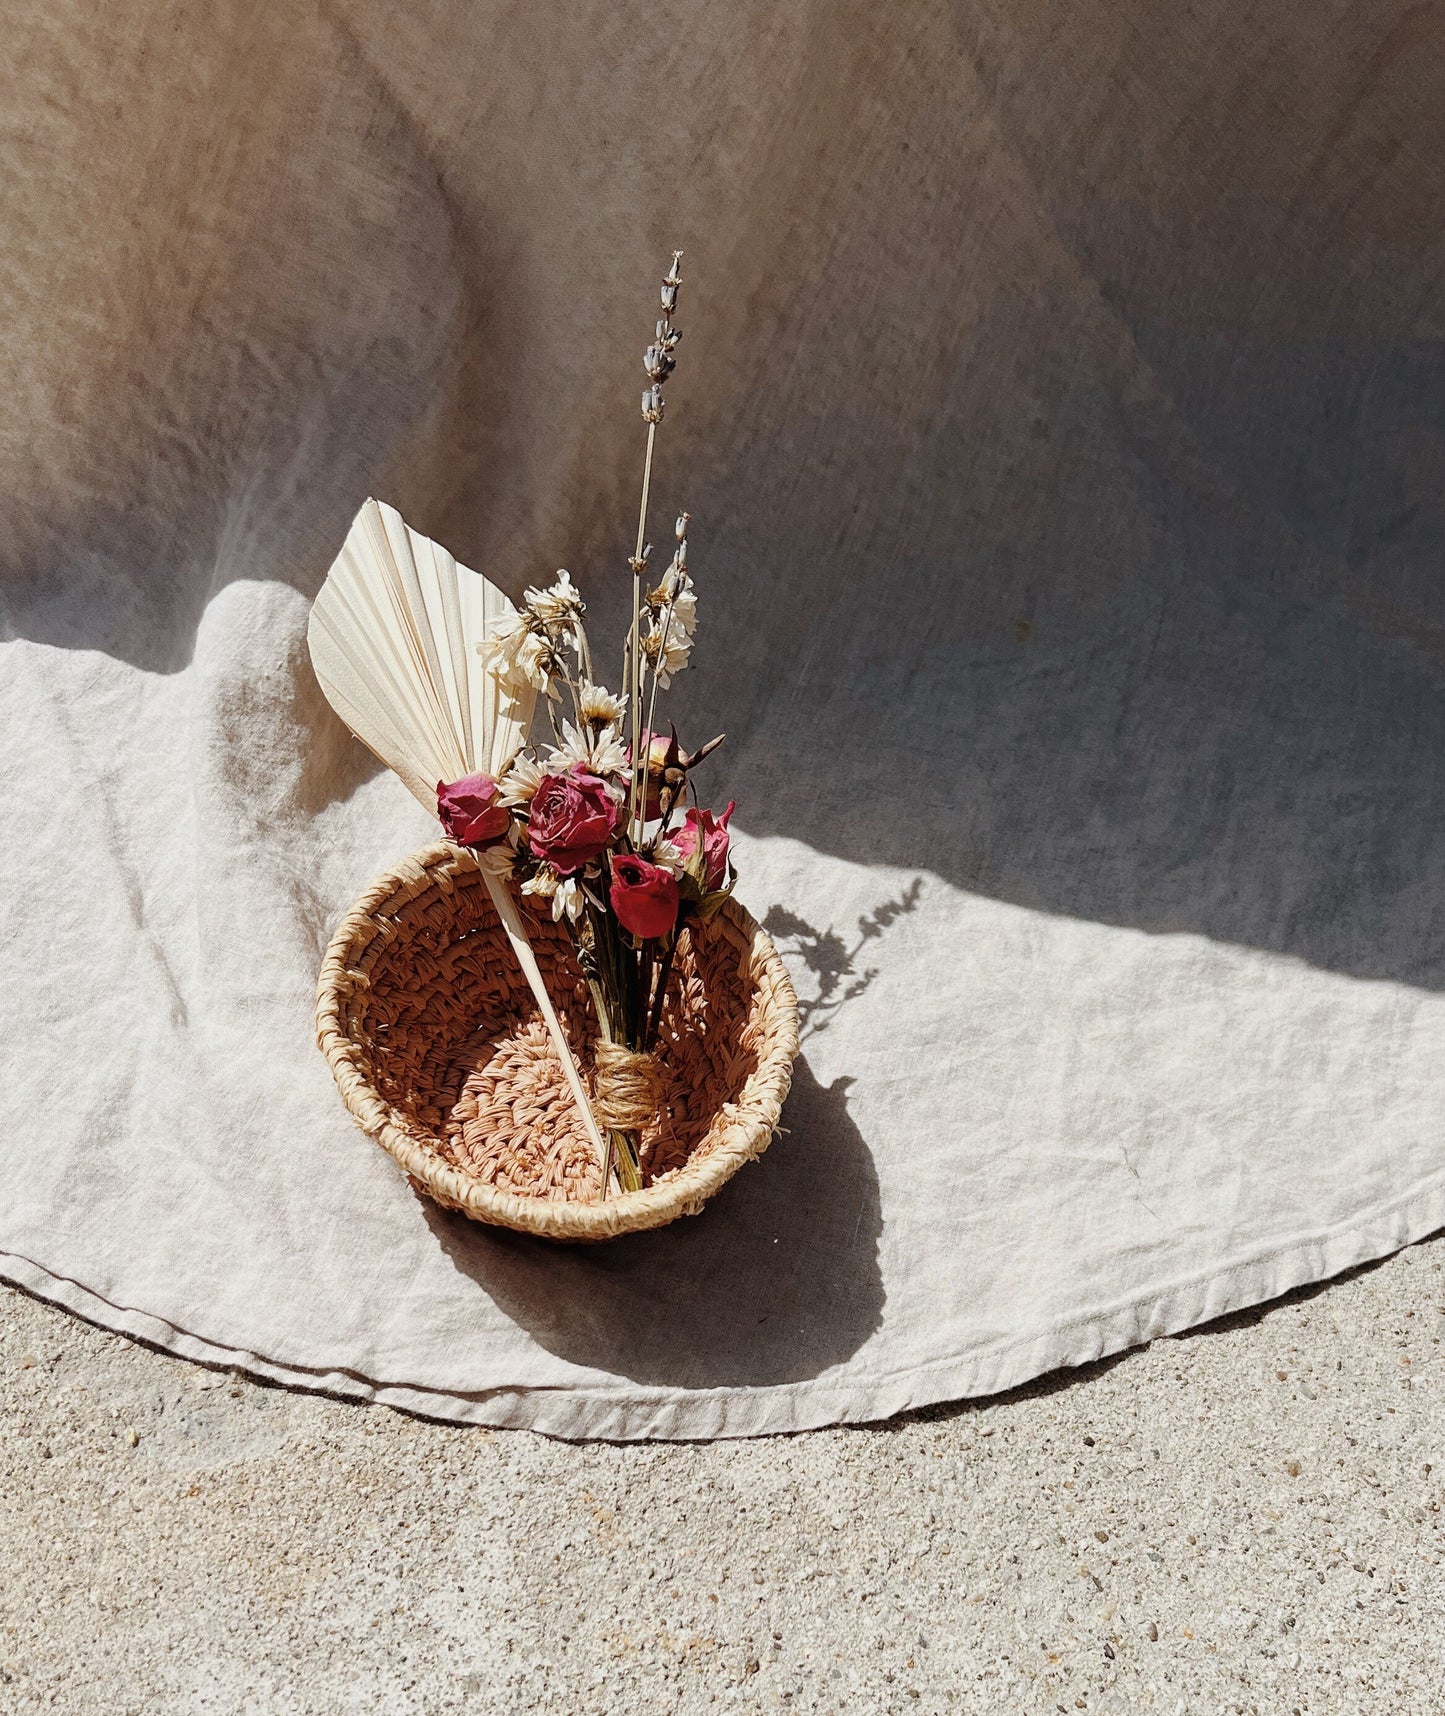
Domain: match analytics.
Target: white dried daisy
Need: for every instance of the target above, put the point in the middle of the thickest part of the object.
(666, 854)
(521, 781)
(559, 603)
(605, 755)
(542, 885)
(515, 656)
(597, 704)
(684, 606)
(667, 652)
(568, 902)
(566, 896)
(498, 860)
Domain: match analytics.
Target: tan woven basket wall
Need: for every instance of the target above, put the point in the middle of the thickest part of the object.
(439, 1052)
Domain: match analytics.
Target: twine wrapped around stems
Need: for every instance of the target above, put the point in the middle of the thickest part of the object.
(627, 1094)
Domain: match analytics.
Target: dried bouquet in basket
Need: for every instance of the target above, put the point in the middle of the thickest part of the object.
(594, 819)
(601, 824)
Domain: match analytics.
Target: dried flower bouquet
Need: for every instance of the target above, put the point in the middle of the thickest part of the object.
(601, 826)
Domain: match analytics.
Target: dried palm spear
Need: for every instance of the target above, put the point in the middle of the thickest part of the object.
(393, 638)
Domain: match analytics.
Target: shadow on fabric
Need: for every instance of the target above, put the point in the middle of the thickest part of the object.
(777, 1280)
(1223, 719)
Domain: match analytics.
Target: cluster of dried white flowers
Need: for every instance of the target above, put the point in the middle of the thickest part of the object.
(563, 892)
(595, 746)
(595, 703)
(516, 655)
(557, 607)
(524, 648)
(671, 618)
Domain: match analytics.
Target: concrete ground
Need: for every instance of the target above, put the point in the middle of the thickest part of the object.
(1244, 1519)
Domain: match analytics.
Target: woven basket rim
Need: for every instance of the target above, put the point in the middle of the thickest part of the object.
(750, 1127)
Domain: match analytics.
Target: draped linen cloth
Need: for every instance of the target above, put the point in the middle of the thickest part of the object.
(1059, 409)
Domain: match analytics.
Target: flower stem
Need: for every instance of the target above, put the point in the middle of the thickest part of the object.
(654, 1017)
(634, 810)
(599, 1002)
(674, 582)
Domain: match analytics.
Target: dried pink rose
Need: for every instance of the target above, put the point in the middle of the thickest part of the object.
(572, 818)
(470, 812)
(705, 834)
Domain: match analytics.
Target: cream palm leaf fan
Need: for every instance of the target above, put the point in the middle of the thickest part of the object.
(393, 636)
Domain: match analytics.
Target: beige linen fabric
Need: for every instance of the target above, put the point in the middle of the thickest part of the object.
(1059, 406)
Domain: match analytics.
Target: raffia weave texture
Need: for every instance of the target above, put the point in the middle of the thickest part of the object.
(442, 1058)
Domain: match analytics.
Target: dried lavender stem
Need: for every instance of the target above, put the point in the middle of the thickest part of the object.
(639, 765)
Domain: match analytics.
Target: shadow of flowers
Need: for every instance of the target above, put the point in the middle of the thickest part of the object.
(832, 963)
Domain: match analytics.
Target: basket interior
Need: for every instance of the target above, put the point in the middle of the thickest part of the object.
(447, 1033)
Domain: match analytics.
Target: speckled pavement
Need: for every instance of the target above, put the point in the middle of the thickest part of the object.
(1243, 1519)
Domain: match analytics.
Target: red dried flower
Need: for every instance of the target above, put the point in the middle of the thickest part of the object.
(644, 896)
(572, 818)
(470, 813)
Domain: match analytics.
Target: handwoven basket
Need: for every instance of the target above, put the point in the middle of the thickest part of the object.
(440, 1053)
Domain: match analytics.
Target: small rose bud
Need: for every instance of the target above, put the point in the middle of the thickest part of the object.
(661, 753)
(704, 841)
(644, 896)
